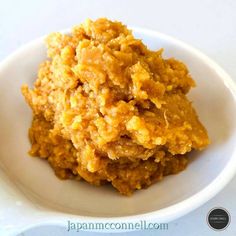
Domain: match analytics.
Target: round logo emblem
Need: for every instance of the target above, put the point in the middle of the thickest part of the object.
(218, 218)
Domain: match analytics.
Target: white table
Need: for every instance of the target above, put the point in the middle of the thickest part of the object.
(209, 25)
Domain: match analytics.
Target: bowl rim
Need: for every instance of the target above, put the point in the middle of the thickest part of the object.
(173, 211)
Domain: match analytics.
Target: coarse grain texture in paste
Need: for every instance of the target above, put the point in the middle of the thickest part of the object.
(107, 109)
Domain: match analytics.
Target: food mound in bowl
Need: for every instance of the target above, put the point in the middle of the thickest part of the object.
(106, 109)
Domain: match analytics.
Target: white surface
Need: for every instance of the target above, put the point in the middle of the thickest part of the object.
(51, 201)
(209, 25)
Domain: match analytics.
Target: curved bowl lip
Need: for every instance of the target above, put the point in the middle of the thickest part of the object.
(173, 211)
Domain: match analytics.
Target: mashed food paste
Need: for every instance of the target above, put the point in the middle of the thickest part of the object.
(106, 109)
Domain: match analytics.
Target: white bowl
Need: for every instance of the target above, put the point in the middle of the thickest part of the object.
(30, 193)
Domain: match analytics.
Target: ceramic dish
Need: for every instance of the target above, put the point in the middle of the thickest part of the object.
(30, 193)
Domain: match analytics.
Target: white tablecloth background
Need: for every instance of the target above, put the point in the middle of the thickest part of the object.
(209, 25)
